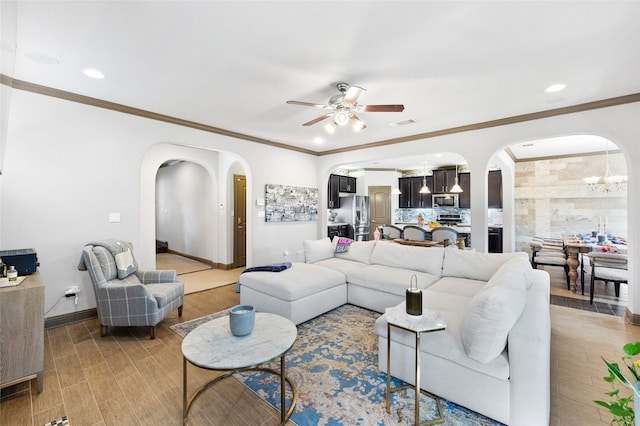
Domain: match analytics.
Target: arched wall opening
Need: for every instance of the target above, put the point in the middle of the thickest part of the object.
(216, 164)
(185, 204)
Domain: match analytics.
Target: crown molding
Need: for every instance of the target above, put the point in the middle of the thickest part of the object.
(87, 100)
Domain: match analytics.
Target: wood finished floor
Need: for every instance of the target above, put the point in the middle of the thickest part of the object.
(128, 379)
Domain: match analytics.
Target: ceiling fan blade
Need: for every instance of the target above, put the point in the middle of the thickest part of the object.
(352, 96)
(318, 119)
(356, 123)
(381, 108)
(308, 104)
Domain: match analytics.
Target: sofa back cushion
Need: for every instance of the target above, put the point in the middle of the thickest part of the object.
(316, 250)
(359, 251)
(423, 259)
(475, 265)
(493, 312)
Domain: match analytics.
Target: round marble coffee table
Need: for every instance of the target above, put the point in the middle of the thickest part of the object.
(213, 347)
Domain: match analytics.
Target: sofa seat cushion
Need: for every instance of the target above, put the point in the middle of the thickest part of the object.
(301, 280)
(388, 279)
(422, 259)
(341, 265)
(457, 286)
(446, 344)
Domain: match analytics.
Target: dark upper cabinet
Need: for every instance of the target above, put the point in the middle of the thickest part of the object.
(348, 184)
(464, 198)
(334, 192)
(494, 184)
(404, 199)
(411, 196)
(443, 180)
(338, 184)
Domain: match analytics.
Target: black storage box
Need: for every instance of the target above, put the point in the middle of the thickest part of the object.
(24, 260)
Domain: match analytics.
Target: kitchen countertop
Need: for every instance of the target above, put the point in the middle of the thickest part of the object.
(460, 229)
(336, 223)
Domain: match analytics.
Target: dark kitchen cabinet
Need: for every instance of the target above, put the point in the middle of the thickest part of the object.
(443, 180)
(404, 199)
(348, 184)
(494, 188)
(495, 240)
(334, 192)
(337, 231)
(464, 198)
(411, 196)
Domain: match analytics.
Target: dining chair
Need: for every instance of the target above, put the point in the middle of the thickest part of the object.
(414, 233)
(549, 255)
(608, 267)
(392, 231)
(442, 233)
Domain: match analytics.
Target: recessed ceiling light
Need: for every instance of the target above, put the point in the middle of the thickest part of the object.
(318, 141)
(555, 88)
(93, 73)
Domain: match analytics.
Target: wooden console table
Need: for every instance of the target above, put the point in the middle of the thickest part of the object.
(22, 332)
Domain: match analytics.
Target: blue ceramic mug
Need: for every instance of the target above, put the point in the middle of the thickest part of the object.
(242, 318)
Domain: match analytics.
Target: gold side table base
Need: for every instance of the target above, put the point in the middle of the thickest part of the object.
(437, 420)
(284, 416)
(416, 387)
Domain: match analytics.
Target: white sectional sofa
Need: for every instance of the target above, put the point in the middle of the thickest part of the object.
(493, 357)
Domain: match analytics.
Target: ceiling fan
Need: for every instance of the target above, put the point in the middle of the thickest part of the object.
(343, 108)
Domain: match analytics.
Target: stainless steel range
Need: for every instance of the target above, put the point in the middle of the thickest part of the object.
(449, 219)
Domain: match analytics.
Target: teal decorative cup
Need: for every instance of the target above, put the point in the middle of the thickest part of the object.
(242, 318)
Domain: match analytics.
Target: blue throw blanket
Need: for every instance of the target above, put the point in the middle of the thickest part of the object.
(272, 267)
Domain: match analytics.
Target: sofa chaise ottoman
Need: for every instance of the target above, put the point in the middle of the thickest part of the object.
(299, 293)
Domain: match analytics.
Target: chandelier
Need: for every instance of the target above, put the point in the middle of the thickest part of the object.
(607, 182)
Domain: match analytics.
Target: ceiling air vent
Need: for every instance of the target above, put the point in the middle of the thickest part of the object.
(402, 122)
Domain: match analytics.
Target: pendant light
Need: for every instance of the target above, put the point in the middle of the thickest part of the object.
(425, 188)
(456, 188)
(396, 190)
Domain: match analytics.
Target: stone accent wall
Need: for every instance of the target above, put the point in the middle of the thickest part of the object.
(551, 198)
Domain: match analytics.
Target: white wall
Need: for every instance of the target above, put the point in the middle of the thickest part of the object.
(185, 209)
(69, 165)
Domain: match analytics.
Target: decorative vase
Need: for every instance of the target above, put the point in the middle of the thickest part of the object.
(242, 318)
(414, 298)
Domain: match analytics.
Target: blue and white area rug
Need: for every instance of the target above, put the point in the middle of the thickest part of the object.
(334, 364)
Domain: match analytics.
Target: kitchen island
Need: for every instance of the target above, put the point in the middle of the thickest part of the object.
(463, 231)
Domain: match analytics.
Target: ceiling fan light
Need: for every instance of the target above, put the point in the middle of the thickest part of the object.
(330, 127)
(357, 124)
(341, 118)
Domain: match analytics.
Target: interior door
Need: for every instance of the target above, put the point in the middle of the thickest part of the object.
(240, 220)
(379, 207)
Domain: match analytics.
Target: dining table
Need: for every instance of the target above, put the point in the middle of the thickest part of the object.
(576, 246)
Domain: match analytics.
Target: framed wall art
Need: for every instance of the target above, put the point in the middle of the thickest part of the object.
(290, 203)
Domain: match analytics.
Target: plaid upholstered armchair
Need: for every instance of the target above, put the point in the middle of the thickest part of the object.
(126, 296)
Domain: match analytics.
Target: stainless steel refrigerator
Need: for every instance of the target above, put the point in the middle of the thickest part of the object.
(354, 210)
